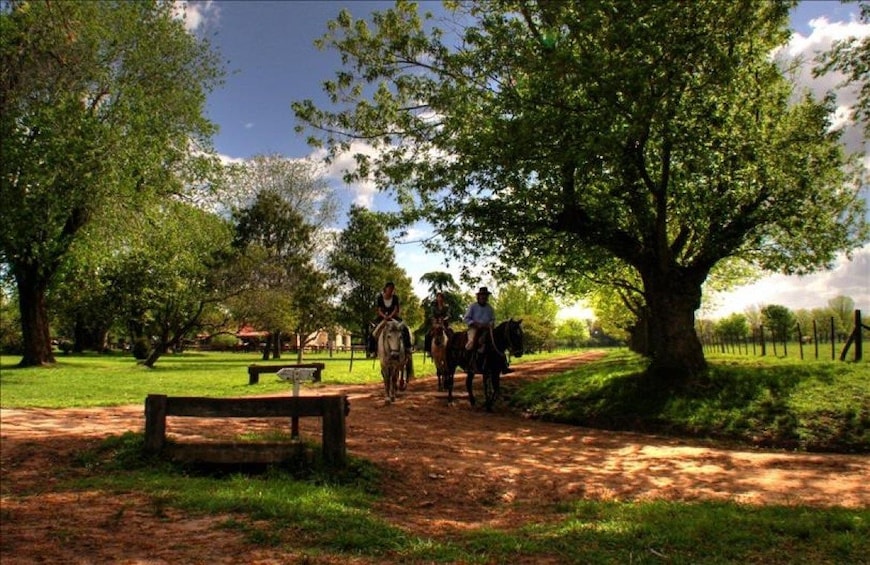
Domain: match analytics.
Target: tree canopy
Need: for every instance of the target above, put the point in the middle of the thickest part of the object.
(99, 102)
(547, 137)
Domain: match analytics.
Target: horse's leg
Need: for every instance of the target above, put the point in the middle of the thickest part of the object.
(385, 374)
(469, 382)
(490, 388)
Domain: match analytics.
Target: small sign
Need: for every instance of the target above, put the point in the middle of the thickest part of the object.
(297, 375)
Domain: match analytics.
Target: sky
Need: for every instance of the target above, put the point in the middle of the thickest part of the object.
(271, 62)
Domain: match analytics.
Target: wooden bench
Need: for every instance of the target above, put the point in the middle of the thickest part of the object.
(332, 409)
(255, 370)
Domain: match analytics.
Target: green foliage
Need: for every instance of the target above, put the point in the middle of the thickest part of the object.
(279, 233)
(655, 136)
(101, 102)
(362, 261)
(768, 402)
(733, 327)
(779, 320)
(223, 342)
(572, 334)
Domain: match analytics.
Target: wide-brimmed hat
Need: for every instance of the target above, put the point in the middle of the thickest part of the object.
(483, 290)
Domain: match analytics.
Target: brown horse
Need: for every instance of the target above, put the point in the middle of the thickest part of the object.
(438, 351)
(488, 358)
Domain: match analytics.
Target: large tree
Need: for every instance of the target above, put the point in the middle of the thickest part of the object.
(361, 262)
(99, 102)
(288, 291)
(552, 135)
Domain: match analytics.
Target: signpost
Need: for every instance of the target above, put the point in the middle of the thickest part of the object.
(297, 375)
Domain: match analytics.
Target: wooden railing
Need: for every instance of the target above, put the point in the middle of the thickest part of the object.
(332, 409)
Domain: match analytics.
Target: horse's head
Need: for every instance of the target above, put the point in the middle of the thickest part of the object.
(513, 337)
(391, 344)
(439, 333)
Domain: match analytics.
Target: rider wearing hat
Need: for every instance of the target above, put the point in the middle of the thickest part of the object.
(479, 315)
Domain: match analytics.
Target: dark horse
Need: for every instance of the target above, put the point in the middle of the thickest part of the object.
(488, 359)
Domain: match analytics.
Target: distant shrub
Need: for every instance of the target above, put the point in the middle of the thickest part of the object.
(222, 342)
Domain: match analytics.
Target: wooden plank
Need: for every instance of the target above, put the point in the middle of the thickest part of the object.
(264, 407)
(235, 453)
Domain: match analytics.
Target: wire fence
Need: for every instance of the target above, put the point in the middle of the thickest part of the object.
(817, 342)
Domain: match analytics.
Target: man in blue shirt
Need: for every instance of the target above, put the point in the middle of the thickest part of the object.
(479, 315)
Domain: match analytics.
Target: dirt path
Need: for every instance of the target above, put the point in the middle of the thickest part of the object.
(449, 469)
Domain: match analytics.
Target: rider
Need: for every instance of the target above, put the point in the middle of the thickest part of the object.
(440, 312)
(389, 308)
(479, 315)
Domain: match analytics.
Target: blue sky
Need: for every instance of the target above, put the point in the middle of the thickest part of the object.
(271, 62)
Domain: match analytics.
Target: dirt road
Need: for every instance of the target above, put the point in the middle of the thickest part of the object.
(449, 469)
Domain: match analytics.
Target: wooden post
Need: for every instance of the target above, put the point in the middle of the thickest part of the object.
(155, 422)
(333, 438)
(859, 339)
(800, 341)
(833, 340)
(816, 338)
(761, 337)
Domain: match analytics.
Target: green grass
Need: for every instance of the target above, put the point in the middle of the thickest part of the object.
(762, 401)
(113, 380)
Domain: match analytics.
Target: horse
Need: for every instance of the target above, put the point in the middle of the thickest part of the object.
(438, 351)
(392, 355)
(505, 338)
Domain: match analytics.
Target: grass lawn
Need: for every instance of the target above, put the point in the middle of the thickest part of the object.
(759, 401)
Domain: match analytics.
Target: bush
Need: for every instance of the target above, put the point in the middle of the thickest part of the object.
(222, 342)
(141, 348)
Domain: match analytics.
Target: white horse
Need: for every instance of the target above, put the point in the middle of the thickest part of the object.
(392, 354)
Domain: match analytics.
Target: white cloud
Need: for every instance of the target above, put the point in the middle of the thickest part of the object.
(848, 278)
(197, 15)
(364, 191)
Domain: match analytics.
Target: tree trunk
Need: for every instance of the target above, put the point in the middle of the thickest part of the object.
(276, 344)
(35, 329)
(674, 348)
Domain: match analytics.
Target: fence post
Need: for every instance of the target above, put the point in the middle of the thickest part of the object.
(333, 437)
(155, 422)
(833, 340)
(800, 341)
(761, 337)
(816, 338)
(859, 339)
